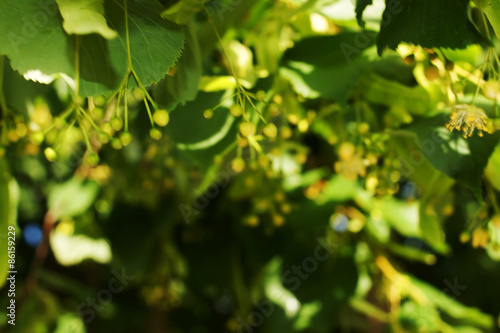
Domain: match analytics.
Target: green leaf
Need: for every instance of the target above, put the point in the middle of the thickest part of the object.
(41, 310)
(434, 194)
(379, 229)
(182, 86)
(98, 74)
(201, 139)
(360, 8)
(155, 44)
(299, 180)
(27, 28)
(20, 93)
(379, 90)
(466, 329)
(434, 185)
(411, 253)
(241, 58)
(73, 249)
(274, 289)
(328, 66)
(71, 198)
(415, 317)
(9, 194)
(459, 158)
(493, 168)
(450, 306)
(492, 10)
(493, 246)
(402, 216)
(190, 130)
(472, 54)
(338, 189)
(183, 11)
(70, 322)
(427, 23)
(84, 17)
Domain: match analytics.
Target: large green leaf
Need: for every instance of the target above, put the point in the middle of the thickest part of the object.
(85, 17)
(459, 158)
(32, 37)
(492, 10)
(328, 66)
(199, 138)
(427, 23)
(27, 28)
(182, 86)
(155, 44)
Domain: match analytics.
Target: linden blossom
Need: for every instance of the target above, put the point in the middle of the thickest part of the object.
(467, 118)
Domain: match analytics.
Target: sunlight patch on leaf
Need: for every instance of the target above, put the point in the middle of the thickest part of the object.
(73, 249)
(276, 292)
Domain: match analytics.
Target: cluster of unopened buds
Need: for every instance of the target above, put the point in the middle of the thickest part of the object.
(468, 118)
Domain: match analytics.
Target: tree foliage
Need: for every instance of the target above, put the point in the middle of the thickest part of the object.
(250, 166)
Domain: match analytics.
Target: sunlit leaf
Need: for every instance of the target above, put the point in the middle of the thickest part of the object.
(71, 250)
(85, 17)
(156, 45)
(72, 197)
(70, 322)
